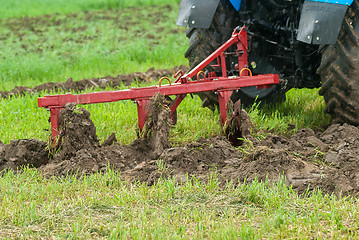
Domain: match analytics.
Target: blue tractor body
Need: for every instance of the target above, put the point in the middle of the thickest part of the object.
(320, 20)
(236, 4)
(309, 43)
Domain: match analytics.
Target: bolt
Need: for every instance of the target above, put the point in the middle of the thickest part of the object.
(318, 38)
(253, 64)
(316, 21)
(193, 6)
(185, 20)
(309, 37)
(193, 22)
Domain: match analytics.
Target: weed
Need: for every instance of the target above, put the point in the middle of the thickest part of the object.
(213, 182)
(163, 169)
(318, 157)
(247, 146)
(297, 154)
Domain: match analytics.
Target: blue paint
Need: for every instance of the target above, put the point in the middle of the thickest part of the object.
(236, 4)
(342, 2)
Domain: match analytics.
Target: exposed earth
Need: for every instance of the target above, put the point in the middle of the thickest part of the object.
(326, 160)
(96, 83)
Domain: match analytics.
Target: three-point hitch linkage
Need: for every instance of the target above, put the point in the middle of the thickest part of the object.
(192, 82)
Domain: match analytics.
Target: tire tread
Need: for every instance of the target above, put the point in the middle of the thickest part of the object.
(339, 74)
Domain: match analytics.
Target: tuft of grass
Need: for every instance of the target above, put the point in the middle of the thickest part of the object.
(21, 118)
(304, 108)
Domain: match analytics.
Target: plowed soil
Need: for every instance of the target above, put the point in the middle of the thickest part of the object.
(96, 83)
(328, 160)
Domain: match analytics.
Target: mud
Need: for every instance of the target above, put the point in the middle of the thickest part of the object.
(94, 83)
(77, 132)
(23, 152)
(80, 151)
(158, 126)
(326, 160)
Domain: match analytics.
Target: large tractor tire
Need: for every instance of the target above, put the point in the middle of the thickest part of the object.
(339, 71)
(203, 42)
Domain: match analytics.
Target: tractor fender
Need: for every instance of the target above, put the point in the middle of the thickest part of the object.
(321, 21)
(199, 13)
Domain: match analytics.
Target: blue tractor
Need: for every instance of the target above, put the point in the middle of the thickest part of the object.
(309, 43)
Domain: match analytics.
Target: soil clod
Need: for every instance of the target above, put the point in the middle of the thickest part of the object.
(109, 140)
(158, 116)
(78, 131)
(23, 152)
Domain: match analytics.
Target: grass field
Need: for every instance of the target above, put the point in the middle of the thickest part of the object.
(88, 44)
(104, 206)
(31, 8)
(43, 41)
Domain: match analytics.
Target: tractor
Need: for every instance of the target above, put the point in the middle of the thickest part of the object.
(309, 44)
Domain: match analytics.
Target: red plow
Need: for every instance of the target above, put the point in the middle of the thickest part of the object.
(194, 81)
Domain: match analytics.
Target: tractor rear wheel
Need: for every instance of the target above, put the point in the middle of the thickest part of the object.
(202, 42)
(339, 71)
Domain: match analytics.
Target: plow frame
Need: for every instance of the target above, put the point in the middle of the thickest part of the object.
(184, 84)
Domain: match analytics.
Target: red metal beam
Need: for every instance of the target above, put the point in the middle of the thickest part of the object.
(147, 92)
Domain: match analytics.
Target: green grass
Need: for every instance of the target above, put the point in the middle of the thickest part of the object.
(89, 44)
(104, 206)
(304, 108)
(30, 8)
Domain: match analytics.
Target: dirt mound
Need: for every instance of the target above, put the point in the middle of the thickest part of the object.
(81, 153)
(23, 152)
(158, 124)
(102, 83)
(77, 132)
(328, 160)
